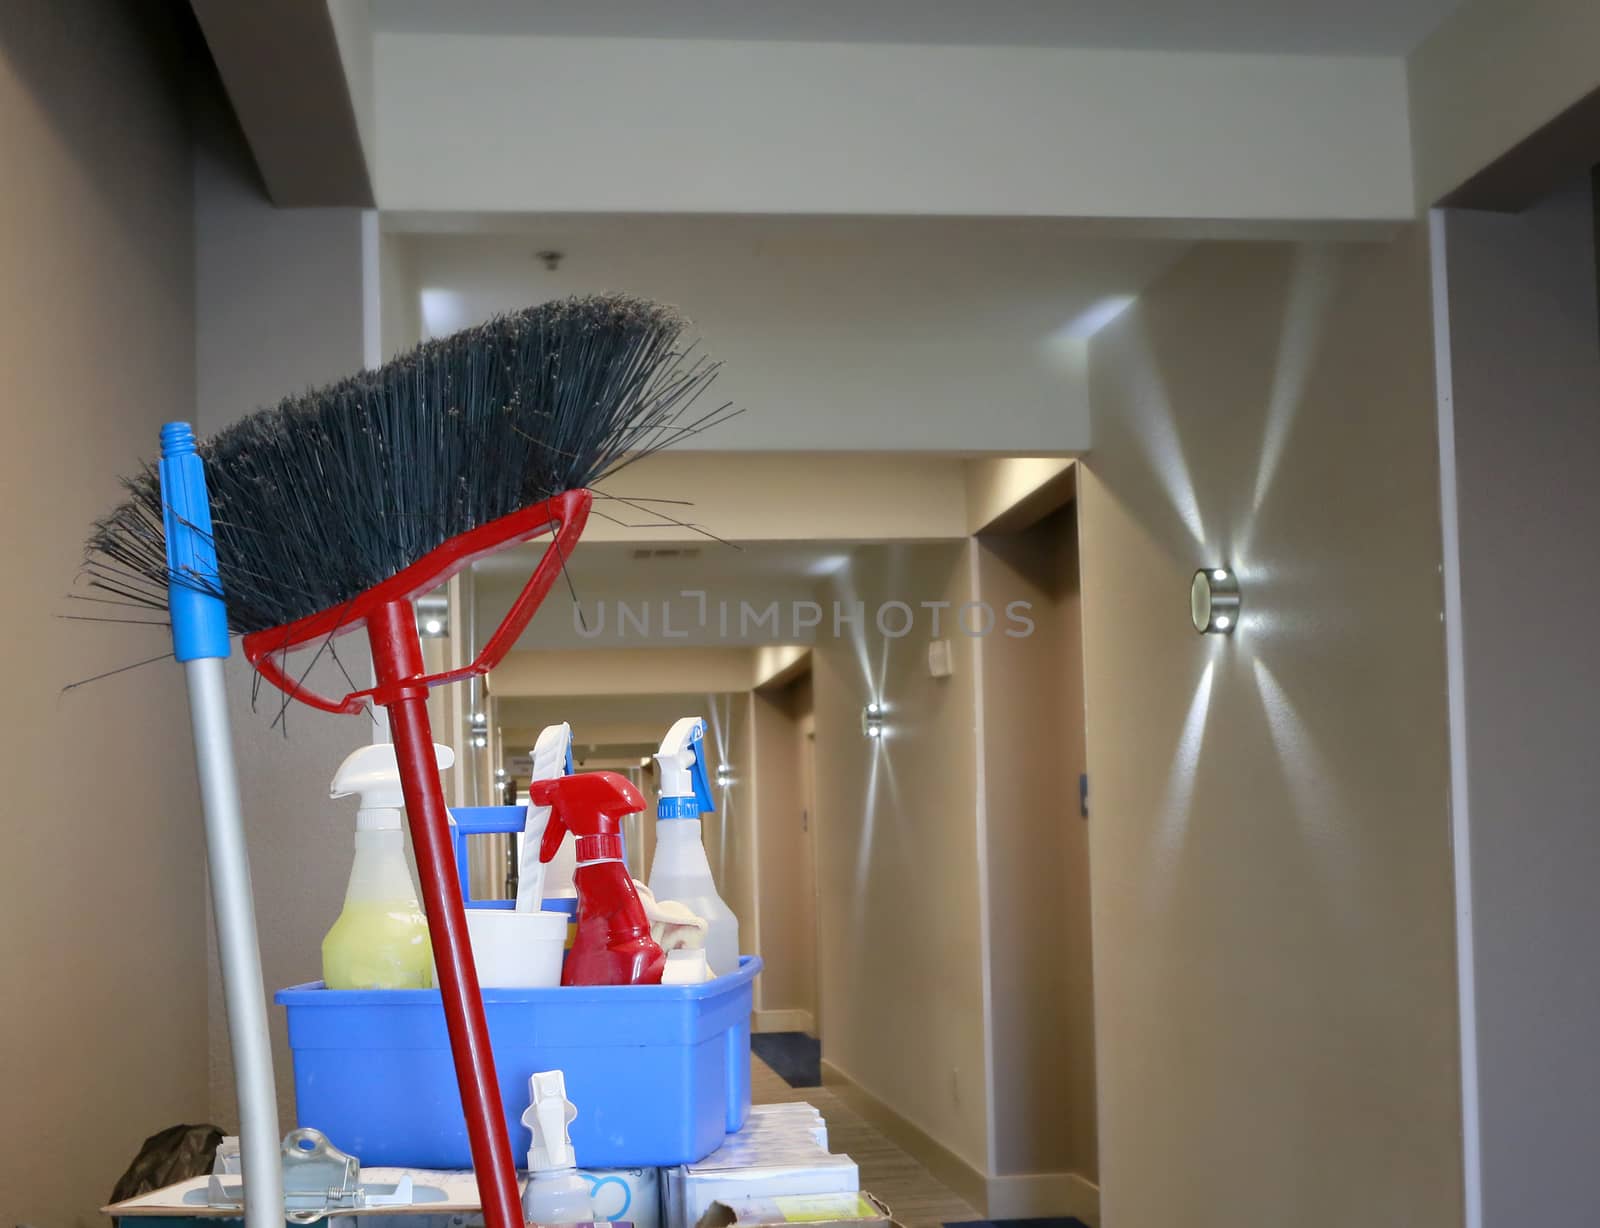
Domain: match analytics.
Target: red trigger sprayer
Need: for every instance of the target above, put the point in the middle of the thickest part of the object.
(614, 946)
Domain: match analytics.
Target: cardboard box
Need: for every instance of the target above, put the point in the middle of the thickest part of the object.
(856, 1210)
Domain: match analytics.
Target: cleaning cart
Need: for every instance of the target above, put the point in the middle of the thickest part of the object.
(662, 1072)
(335, 510)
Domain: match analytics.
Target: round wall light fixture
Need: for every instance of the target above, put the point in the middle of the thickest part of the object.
(872, 720)
(1214, 601)
(724, 775)
(433, 616)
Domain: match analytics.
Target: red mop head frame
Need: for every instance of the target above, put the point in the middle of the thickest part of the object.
(563, 516)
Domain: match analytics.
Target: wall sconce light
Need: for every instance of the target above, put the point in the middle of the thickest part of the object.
(500, 773)
(872, 720)
(724, 775)
(479, 729)
(433, 617)
(1214, 601)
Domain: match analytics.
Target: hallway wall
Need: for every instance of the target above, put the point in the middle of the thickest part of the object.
(103, 1031)
(1272, 893)
(900, 950)
(786, 838)
(1041, 976)
(279, 297)
(729, 832)
(1523, 354)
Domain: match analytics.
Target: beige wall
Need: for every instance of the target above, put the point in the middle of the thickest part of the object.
(1009, 492)
(1037, 846)
(900, 937)
(1275, 992)
(528, 673)
(279, 296)
(400, 324)
(102, 885)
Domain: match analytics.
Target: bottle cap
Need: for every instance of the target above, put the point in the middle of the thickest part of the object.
(685, 788)
(373, 772)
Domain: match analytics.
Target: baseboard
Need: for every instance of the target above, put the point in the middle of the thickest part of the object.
(783, 1021)
(1044, 1195)
(928, 1151)
(1025, 1196)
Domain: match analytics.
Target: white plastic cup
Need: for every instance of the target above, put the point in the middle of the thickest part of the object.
(517, 950)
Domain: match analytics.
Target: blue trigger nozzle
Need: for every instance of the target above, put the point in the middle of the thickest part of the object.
(697, 773)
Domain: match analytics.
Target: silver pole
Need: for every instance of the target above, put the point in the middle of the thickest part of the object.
(233, 905)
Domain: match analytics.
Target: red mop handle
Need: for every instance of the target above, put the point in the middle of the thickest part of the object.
(397, 662)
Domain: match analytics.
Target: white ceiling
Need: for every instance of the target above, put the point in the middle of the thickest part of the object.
(1313, 27)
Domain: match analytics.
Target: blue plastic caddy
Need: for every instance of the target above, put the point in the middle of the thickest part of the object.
(659, 1073)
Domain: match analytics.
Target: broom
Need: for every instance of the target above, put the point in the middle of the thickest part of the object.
(334, 510)
(200, 642)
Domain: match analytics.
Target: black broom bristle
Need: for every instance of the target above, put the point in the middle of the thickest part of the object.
(323, 496)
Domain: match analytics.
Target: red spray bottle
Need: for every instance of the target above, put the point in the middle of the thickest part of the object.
(614, 946)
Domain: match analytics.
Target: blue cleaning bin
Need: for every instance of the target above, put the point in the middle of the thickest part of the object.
(659, 1073)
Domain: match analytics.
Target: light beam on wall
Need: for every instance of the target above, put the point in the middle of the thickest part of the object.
(869, 822)
(1314, 790)
(1153, 426)
(1172, 822)
(1094, 317)
(719, 738)
(1312, 284)
(443, 312)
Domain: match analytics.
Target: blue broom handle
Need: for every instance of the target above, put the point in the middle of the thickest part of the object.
(200, 641)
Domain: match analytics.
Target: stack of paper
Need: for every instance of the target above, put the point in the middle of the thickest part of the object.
(782, 1149)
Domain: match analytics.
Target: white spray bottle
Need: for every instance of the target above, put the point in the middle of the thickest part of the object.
(555, 1194)
(380, 940)
(680, 870)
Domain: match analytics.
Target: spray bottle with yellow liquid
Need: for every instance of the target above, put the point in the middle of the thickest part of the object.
(380, 940)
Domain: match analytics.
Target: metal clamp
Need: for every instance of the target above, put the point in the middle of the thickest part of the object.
(318, 1180)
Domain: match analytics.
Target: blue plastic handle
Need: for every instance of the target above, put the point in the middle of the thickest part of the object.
(199, 617)
(492, 820)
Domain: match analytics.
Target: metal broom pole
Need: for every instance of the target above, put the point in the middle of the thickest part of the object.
(200, 641)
